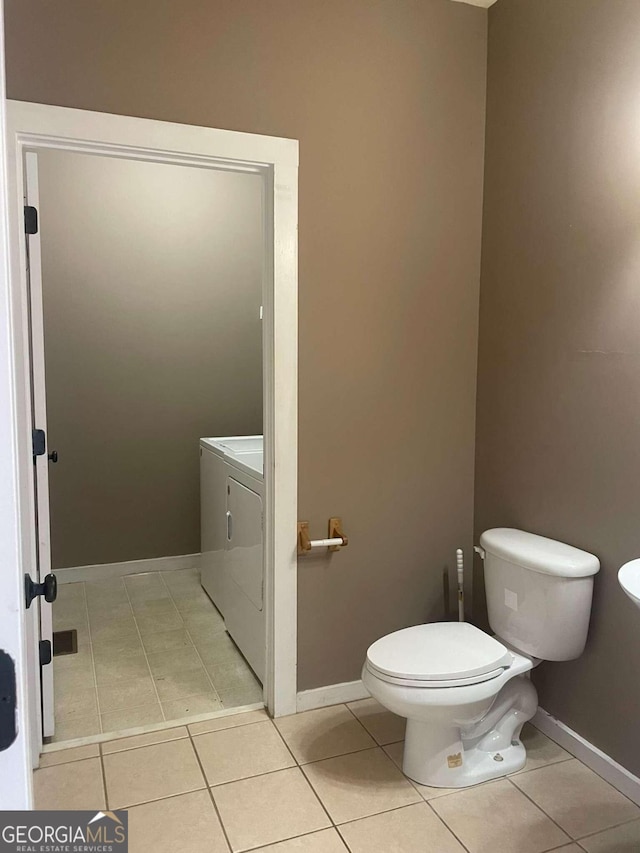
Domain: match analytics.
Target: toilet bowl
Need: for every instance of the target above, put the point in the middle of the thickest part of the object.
(466, 694)
(452, 678)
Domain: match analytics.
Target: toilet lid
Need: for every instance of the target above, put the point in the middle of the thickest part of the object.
(441, 651)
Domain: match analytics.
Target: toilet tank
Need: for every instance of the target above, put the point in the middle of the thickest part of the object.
(538, 592)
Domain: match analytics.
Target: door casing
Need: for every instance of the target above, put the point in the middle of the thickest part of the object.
(16, 789)
(36, 126)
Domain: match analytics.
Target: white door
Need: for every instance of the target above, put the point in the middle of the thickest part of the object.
(41, 461)
(15, 701)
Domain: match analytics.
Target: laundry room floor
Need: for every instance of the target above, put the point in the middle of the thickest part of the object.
(328, 781)
(151, 648)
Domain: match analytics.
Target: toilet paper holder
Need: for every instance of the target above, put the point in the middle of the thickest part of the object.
(335, 540)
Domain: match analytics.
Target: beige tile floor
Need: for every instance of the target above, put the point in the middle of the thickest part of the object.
(151, 648)
(327, 781)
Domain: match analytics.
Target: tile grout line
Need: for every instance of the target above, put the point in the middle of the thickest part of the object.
(445, 824)
(539, 807)
(188, 633)
(606, 829)
(57, 693)
(562, 846)
(291, 838)
(564, 761)
(371, 735)
(298, 765)
(210, 792)
(93, 660)
(184, 725)
(353, 752)
(130, 708)
(422, 802)
(195, 646)
(144, 651)
(104, 776)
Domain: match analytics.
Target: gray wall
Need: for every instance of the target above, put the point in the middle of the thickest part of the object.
(152, 283)
(559, 372)
(387, 99)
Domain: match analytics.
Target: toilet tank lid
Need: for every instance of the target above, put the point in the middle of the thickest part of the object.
(538, 553)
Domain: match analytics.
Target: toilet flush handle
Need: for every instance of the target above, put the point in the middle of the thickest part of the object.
(479, 550)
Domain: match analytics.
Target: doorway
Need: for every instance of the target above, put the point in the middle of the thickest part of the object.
(151, 285)
(170, 591)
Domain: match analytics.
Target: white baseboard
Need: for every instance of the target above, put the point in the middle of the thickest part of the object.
(598, 761)
(332, 694)
(105, 571)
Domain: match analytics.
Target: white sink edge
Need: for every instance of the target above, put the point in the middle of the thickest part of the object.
(629, 580)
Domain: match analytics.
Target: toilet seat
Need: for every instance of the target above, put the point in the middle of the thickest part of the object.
(440, 654)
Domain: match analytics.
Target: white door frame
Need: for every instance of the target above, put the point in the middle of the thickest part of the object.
(40, 126)
(15, 762)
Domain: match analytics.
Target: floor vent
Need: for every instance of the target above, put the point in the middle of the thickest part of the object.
(65, 642)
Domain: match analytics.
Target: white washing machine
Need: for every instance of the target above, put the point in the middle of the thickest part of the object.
(231, 516)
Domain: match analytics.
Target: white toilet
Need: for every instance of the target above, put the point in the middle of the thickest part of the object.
(465, 694)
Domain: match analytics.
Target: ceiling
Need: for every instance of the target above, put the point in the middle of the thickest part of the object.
(483, 3)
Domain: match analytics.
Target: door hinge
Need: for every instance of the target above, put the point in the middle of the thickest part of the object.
(8, 694)
(44, 649)
(30, 219)
(39, 442)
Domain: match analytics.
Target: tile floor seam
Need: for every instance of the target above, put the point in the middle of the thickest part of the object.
(526, 770)
(144, 652)
(291, 838)
(315, 794)
(202, 663)
(140, 746)
(343, 839)
(371, 735)
(538, 806)
(606, 828)
(258, 776)
(562, 846)
(150, 728)
(202, 787)
(350, 752)
(306, 778)
(128, 806)
(589, 835)
(288, 748)
(445, 824)
(422, 802)
(352, 820)
(93, 660)
(210, 792)
(192, 641)
(104, 779)
(271, 773)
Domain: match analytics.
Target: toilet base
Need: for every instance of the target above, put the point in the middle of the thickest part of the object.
(438, 758)
(447, 756)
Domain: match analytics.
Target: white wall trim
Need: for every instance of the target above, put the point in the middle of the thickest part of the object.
(106, 571)
(598, 761)
(17, 625)
(332, 694)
